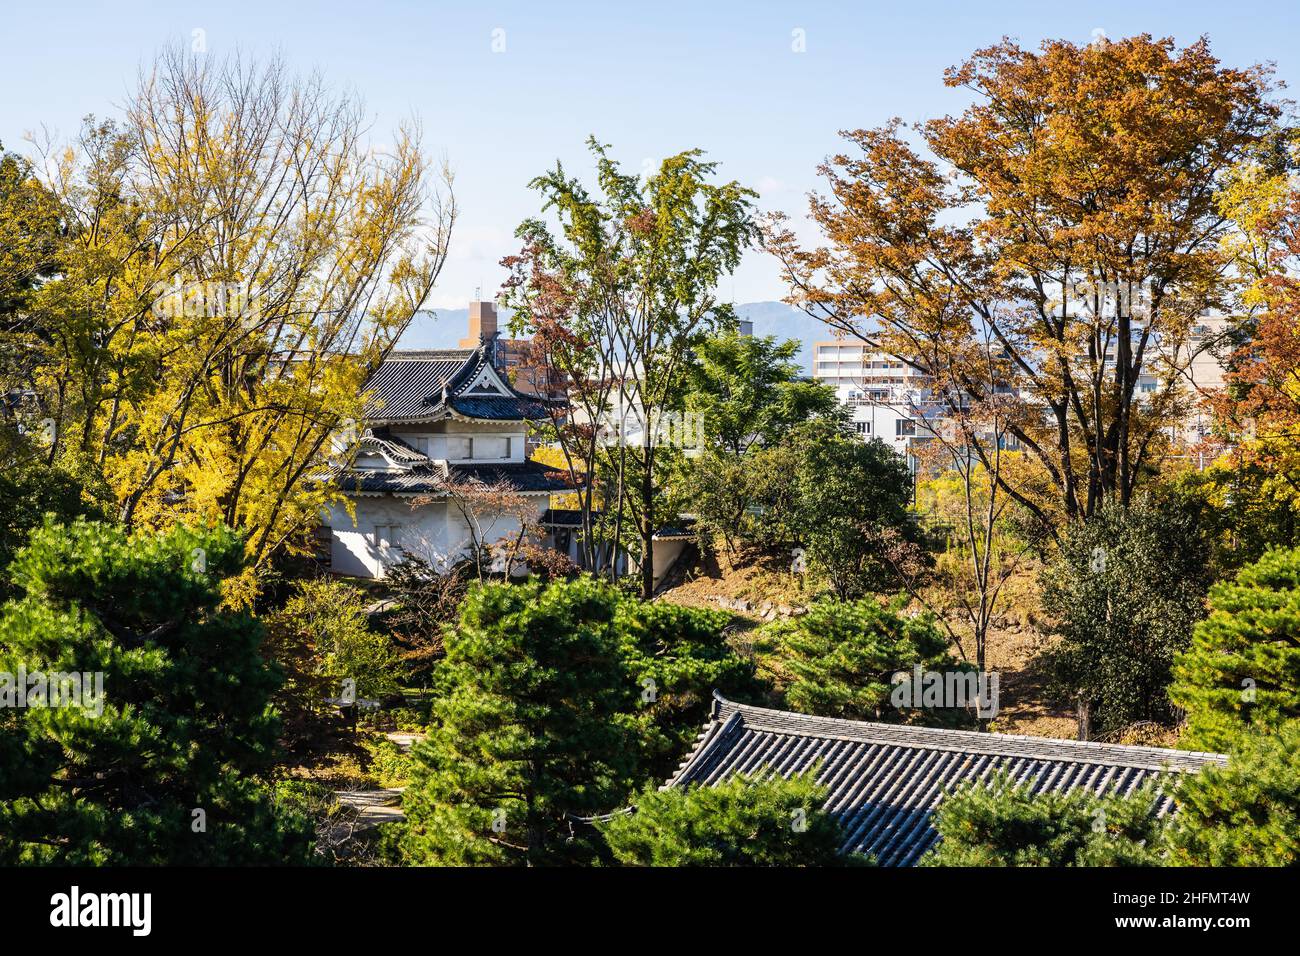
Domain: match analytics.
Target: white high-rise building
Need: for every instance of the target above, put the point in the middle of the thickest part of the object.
(886, 398)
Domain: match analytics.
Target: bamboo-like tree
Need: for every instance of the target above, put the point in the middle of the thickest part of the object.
(972, 444)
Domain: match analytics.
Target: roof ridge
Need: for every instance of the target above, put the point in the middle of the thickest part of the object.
(967, 741)
(713, 729)
(393, 448)
(415, 355)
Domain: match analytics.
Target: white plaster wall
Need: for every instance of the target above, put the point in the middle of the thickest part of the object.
(666, 552)
(422, 531)
(437, 532)
(490, 528)
(436, 436)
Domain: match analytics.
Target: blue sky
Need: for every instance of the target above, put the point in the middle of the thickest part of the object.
(648, 78)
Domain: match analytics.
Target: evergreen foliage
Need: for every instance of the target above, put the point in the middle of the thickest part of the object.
(183, 723)
(533, 723)
(1242, 671)
(1246, 813)
(758, 820)
(1125, 593)
(555, 701)
(839, 657)
(999, 824)
(850, 501)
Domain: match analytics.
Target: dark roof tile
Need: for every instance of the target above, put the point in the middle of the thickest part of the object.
(428, 385)
(885, 780)
(525, 476)
(404, 388)
(528, 476)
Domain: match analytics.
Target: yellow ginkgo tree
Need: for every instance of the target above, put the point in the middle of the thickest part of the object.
(239, 259)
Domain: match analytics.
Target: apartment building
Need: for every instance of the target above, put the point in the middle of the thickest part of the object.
(1200, 368)
(889, 400)
(886, 398)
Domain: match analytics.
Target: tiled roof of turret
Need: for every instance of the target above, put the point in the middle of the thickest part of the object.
(527, 477)
(421, 386)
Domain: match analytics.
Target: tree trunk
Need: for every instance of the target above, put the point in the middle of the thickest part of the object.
(1085, 719)
(647, 526)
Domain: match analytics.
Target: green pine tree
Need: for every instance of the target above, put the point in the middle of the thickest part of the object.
(1242, 671)
(1003, 825)
(29, 492)
(534, 722)
(678, 656)
(1246, 813)
(758, 820)
(838, 659)
(161, 768)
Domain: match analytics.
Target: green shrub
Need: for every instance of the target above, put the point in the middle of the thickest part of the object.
(555, 700)
(1125, 593)
(759, 820)
(329, 618)
(1242, 672)
(1246, 813)
(677, 656)
(999, 824)
(390, 765)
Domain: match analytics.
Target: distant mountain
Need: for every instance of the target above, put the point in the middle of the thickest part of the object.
(786, 322)
(444, 328)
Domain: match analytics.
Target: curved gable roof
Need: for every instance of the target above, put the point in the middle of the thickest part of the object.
(412, 387)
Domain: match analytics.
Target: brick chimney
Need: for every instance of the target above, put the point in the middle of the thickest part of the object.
(482, 323)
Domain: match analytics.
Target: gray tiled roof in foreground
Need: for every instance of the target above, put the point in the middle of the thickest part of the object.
(884, 780)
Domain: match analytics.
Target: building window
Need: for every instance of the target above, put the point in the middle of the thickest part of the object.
(386, 539)
(862, 428)
(491, 447)
(904, 428)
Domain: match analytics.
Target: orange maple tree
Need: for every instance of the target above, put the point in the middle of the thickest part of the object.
(1071, 213)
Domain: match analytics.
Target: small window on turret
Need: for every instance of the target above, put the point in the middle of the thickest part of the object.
(491, 447)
